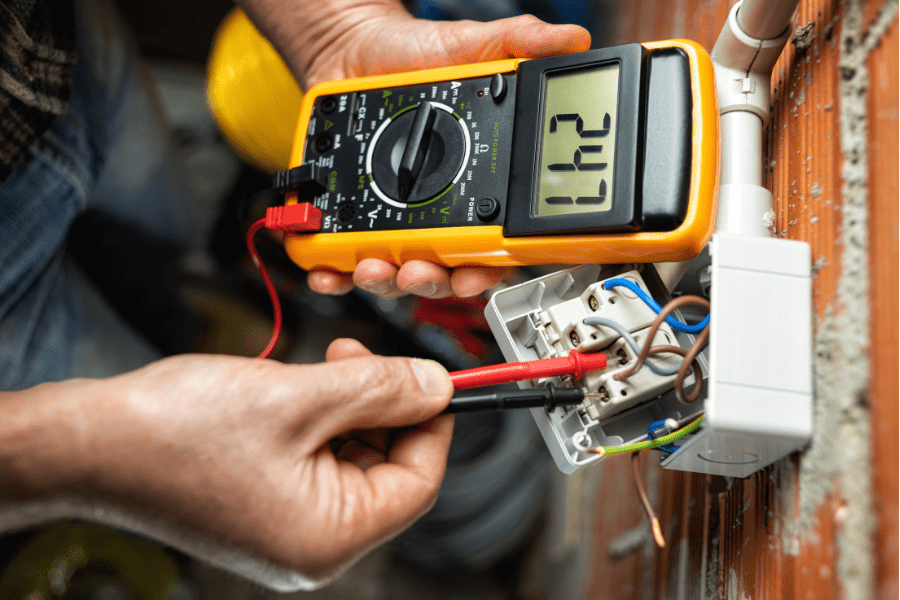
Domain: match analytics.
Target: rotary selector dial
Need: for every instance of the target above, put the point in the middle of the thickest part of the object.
(418, 154)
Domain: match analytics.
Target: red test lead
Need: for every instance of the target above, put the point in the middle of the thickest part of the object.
(297, 218)
(574, 364)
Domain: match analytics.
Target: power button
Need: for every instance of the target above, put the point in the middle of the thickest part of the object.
(487, 209)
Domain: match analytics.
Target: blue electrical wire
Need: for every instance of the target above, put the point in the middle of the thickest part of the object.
(653, 304)
(658, 425)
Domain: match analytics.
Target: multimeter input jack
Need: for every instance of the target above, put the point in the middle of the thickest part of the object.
(328, 105)
(323, 143)
(346, 211)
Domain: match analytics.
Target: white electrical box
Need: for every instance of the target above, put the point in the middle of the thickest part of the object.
(757, 396)
(759, 404)
(544, 318)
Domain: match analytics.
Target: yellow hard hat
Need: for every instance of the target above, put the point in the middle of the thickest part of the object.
(252, 94)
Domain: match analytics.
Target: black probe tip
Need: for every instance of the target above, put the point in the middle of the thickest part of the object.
(549, 397)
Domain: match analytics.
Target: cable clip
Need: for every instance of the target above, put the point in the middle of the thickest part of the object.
(659, 429)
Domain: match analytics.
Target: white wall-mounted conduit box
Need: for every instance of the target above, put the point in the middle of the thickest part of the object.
(759, 403)
(757, 395)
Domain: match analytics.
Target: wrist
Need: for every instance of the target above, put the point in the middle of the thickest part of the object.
(43, 439)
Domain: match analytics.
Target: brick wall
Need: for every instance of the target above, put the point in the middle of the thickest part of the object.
(822, 523)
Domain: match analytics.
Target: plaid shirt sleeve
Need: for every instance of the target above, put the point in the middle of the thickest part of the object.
(37, 63)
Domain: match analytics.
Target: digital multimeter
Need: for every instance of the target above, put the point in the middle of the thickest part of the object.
(603, 156)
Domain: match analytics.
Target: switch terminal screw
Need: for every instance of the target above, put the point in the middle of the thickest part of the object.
(582, 441)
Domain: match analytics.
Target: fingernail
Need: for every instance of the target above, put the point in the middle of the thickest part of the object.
(377, 287)
(426, 289)
(432, 377)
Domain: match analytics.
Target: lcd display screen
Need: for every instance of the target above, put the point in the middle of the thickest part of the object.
(578, 142)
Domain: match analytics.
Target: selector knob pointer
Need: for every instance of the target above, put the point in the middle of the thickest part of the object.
(416, 154)
(415, 150)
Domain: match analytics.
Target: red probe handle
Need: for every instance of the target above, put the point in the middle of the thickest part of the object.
(575, 364)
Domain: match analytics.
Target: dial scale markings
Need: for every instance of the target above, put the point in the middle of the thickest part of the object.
(482, 137)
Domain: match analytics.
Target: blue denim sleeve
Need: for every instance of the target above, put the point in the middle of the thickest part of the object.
(110, 152)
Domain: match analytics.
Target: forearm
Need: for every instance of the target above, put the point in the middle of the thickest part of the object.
(304, 30)
(51, 450)
(60, 456)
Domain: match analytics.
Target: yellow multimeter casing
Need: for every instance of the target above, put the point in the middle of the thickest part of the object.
(604, 156)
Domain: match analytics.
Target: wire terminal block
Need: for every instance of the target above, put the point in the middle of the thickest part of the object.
(556, 315)
(562, 328)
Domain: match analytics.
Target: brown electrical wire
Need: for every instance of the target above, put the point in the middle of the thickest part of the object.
(689, 358)
(682, 372)
(645, 500)
(654, 327)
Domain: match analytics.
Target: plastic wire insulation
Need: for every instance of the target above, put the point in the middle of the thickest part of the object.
(690, 358)
(273, 294)
(662, 441)
(653, 304)
(575, 364)
(645, 500)
(651, 332)
(626, 335)
(679, 383)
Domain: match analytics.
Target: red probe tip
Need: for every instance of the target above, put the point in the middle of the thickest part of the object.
(575, 364)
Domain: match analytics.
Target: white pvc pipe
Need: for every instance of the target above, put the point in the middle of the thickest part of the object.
(745, 206)
(741, 158)
(766, 19)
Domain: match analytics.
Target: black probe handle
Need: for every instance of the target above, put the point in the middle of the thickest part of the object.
(548, 397)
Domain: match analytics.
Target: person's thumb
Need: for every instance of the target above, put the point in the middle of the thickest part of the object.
(370, 392)
(525, 36)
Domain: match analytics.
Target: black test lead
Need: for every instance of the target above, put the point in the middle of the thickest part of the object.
(549, 397)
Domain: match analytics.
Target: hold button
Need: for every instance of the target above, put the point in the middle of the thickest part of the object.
(498, 87)
(487, 209)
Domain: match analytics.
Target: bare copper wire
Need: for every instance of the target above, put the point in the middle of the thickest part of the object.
(645, 500)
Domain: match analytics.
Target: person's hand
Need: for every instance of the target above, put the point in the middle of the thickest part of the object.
(308, 465)
(334, 40)
(382, 37)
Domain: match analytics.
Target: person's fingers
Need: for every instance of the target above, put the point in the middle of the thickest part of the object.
(377, 277)
(329, 282)
(525, 36)
(377, 439)
(406, 486)
(369, 393)
(529, 37)
(424, 279)
(361, 455)
(344, 348)
(471, 281)
(417, 277)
